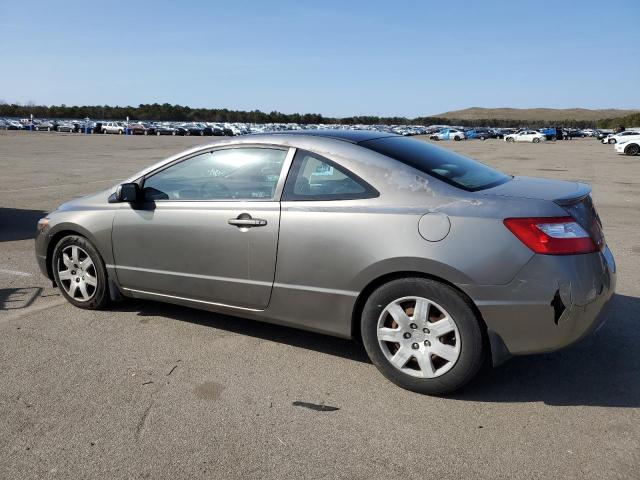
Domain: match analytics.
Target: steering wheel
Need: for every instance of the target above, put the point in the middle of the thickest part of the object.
(214, 189)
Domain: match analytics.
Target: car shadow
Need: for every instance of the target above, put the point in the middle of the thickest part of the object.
(602, 370)
(17, 298)
(18, 224)
(338, 347)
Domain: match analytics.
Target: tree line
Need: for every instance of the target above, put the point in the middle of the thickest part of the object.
(180, 113)
(632, 120)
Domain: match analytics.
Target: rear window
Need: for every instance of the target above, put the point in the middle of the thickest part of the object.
(448, 166)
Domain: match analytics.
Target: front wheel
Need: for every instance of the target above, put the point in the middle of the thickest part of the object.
(632, 149)
(536, 140)
(456, 138)
(510, 140)
(79, 273)
(422, 335)
(612, 141)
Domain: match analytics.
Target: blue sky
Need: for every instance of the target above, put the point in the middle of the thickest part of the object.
(337, 58)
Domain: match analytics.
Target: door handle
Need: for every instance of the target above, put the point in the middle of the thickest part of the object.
(246, 220)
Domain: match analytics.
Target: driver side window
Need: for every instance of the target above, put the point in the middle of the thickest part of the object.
(228, 174)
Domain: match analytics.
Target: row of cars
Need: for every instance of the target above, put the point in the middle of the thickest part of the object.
(122, 128)
(185, 129)
(434, 132)
(511, 134)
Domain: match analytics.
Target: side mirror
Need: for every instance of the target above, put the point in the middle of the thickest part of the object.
(128, 192)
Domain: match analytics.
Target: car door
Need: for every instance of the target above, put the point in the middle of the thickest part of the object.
(207, 229)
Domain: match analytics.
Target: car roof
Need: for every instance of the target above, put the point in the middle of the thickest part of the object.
(351, 136)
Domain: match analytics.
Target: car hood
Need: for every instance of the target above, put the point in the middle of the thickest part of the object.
(89, 202)
(540, 189)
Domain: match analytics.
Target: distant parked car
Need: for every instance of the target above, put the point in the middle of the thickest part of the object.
(66, 127)
(13, 125)
(525, 136)
(113, 127)
(165, 130)
(141, 128)
(484, 133)
(620, 137)
(44, 126)
(193, 129)
(448, 134)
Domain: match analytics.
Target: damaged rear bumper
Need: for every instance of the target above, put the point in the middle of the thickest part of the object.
(553, 302)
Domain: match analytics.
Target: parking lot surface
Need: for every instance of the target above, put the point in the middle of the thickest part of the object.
(149, 390)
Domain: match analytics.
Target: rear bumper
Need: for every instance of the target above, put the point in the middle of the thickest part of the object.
(523, 314)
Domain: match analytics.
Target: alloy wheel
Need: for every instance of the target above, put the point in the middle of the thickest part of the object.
(77, 273)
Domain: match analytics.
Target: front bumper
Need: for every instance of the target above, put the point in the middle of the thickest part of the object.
(526, 316)
(620, 147)
(42, 245)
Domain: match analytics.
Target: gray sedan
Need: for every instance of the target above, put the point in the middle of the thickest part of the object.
(434, 261)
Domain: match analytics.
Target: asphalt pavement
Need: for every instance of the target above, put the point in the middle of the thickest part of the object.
(149, 390)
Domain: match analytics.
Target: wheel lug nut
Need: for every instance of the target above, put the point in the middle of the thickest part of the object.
(406, 335)
(414, 326)
(73, 272)
(77, 280)
(415, 346)
(427, 343)
(425, 330)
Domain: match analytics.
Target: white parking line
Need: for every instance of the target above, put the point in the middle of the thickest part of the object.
(15, 272)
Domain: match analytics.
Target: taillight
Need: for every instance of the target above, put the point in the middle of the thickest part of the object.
(552, 235)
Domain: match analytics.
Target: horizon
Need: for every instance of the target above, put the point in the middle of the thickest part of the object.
(361, 59)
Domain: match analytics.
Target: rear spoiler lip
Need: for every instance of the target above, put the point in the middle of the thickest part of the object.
(583, 191)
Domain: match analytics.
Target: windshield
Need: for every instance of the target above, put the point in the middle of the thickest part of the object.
(448, 166)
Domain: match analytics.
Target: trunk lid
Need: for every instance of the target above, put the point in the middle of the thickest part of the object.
(573, 197)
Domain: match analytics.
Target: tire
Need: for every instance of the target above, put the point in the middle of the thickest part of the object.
(98, 295)
(456, 138)
(536, 140)
(442, 376)
(612, 141)
(510, 140)
(632, 149)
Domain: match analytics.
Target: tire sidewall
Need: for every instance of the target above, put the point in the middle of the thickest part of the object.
(471, 351)
(101, 295)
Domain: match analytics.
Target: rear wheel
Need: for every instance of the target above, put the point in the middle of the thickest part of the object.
(422, 335)
(456, 138)
(79, 273)
(632, 149)
(510, 139)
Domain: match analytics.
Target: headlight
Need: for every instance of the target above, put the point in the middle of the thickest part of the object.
(43, 224)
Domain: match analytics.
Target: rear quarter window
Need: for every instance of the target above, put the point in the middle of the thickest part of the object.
(450, 167)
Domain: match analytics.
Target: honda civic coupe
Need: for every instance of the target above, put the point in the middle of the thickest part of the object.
(436, 262)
